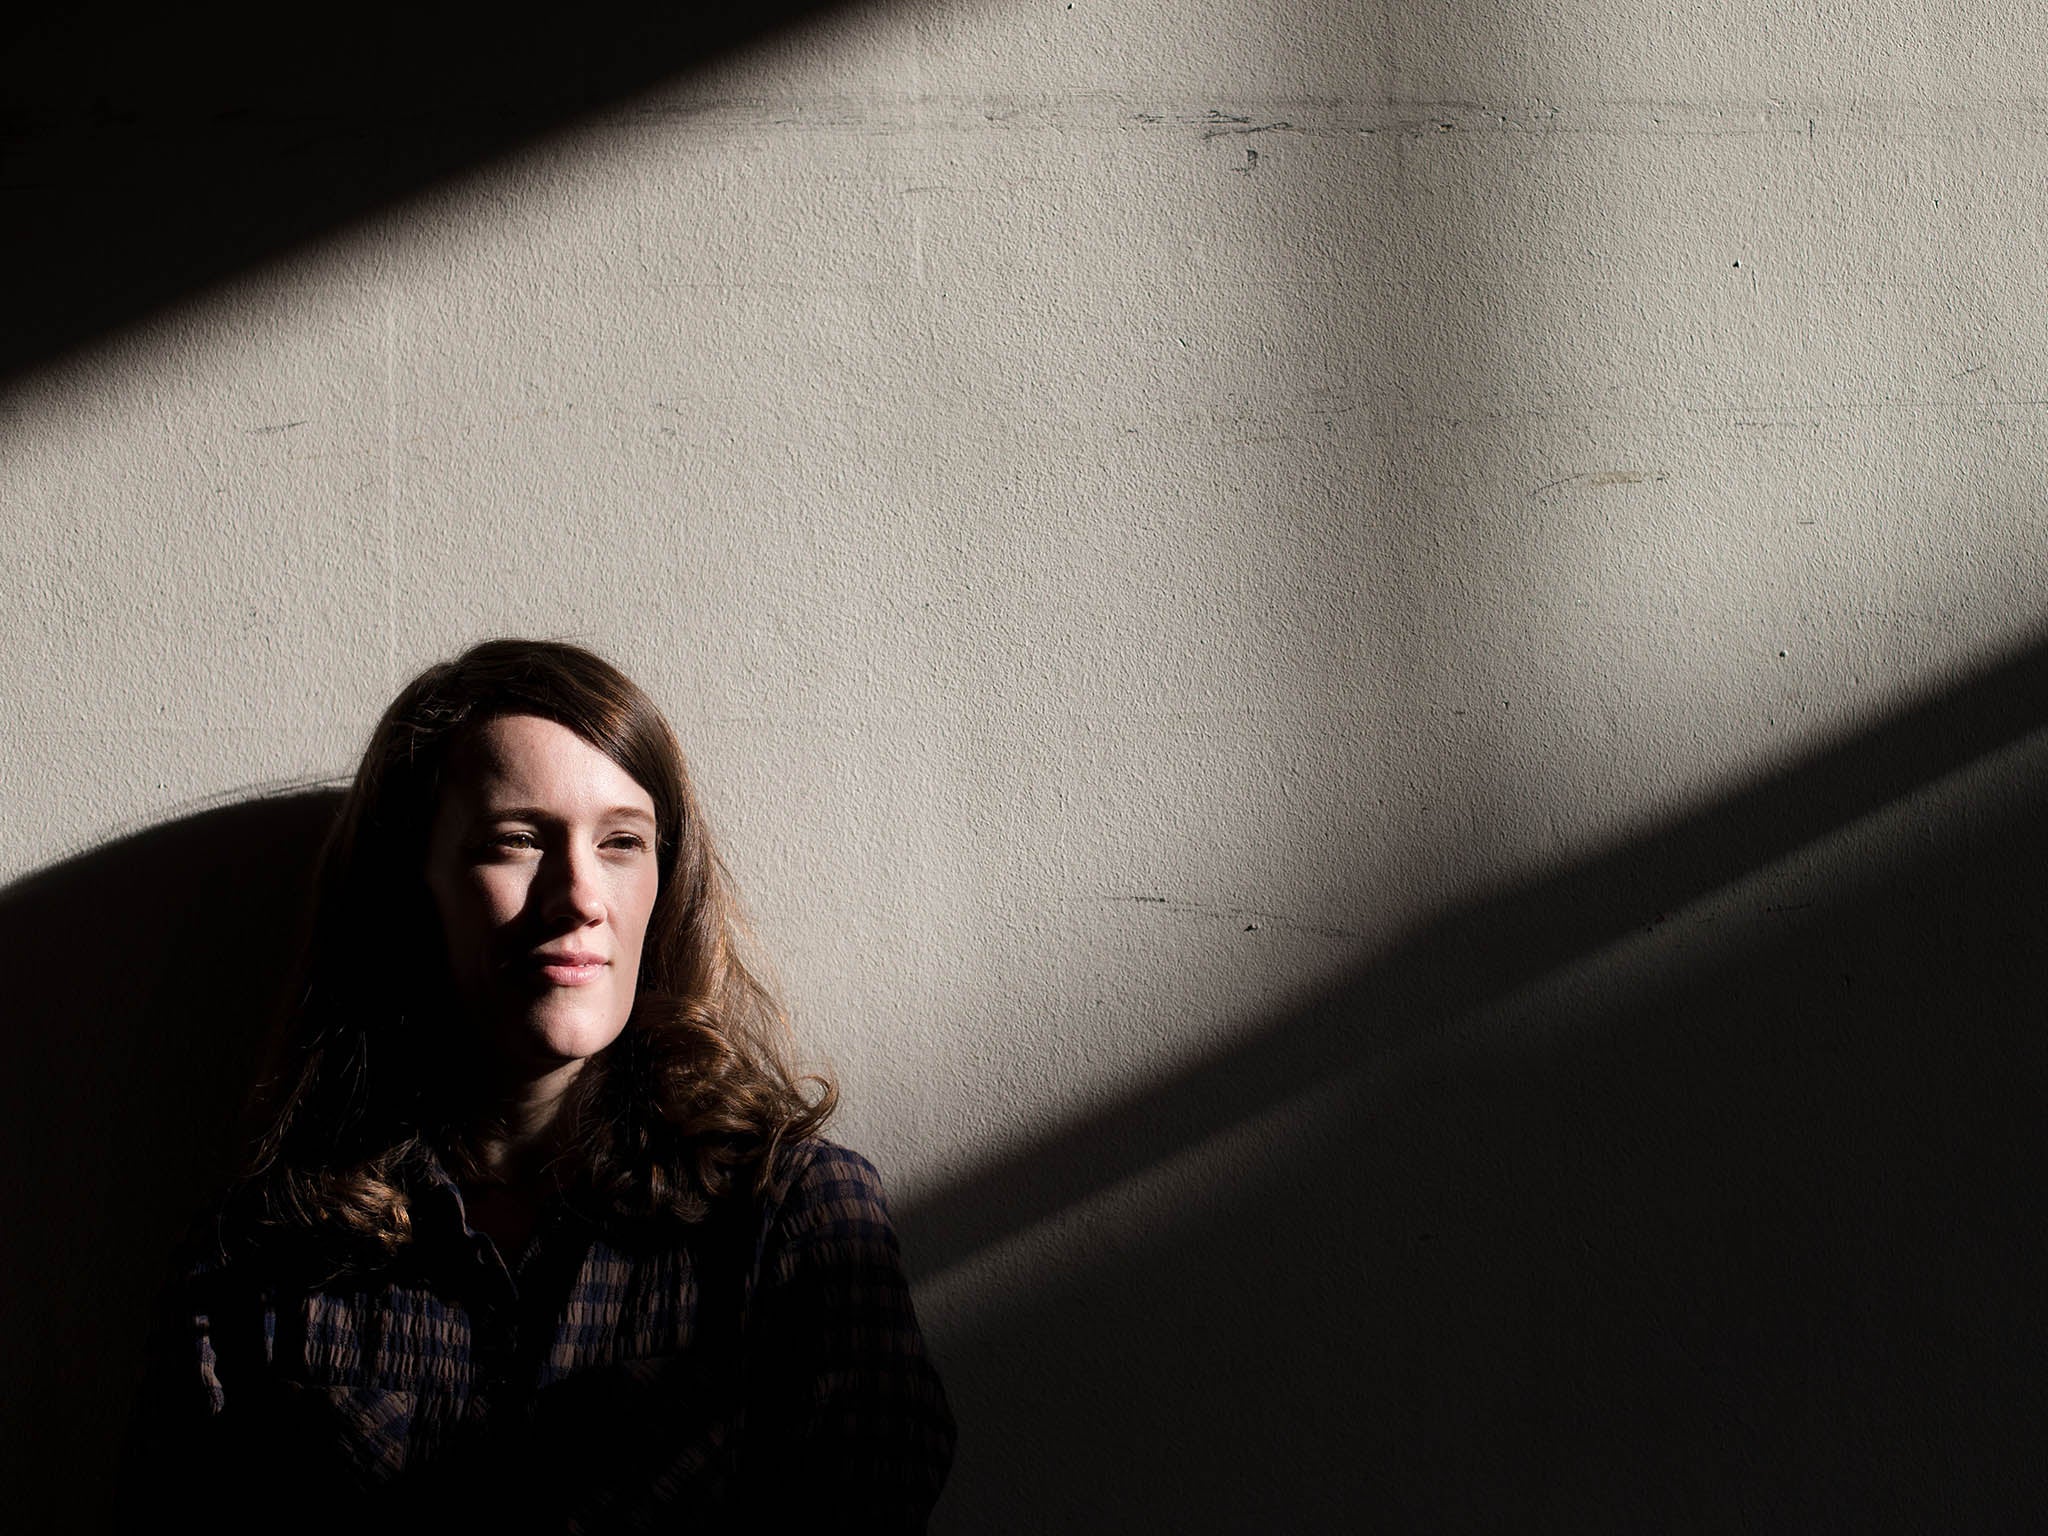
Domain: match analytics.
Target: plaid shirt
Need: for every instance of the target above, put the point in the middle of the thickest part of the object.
(766, 1373)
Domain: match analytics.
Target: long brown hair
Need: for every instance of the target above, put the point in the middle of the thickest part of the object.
(690, 1104)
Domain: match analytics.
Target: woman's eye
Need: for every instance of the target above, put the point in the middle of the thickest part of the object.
(514, 841)
(627, 842)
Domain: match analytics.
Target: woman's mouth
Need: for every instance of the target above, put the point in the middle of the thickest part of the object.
(574, 969)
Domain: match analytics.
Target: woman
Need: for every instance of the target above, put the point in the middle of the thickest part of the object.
(542, 1229)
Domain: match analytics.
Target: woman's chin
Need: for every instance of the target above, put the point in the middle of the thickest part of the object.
(552, 1035)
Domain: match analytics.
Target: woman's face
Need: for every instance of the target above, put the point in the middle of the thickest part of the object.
(543, 867)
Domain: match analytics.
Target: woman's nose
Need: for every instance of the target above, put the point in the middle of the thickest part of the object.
(572, 889)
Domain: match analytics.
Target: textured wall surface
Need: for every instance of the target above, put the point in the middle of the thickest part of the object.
(1369, 668)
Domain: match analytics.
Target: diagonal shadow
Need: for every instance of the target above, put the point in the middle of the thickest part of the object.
(1746, 1239)
(1485, 951)
(147, 151)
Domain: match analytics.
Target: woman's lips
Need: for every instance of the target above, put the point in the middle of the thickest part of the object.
(570, 970)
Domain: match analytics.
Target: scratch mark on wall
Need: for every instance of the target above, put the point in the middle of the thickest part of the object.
(1220, 127)
(1245, 919)
(1603, 477)
(1216, 123)
(282, 426)
(1445, 120)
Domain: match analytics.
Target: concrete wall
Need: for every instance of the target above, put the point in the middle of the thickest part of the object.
(1370, 668)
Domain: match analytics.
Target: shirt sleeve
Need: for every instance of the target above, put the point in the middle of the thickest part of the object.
(846, 1422)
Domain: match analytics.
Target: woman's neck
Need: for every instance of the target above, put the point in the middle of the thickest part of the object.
(519, 1129)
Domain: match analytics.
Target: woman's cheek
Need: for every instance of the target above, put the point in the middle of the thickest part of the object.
(504, 893)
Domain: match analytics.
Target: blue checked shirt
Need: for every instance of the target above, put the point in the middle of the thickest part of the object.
(766, 1374)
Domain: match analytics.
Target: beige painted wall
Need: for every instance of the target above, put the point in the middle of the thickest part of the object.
(1137, 509)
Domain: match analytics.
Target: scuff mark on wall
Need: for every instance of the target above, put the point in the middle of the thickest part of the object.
(1604, 477)
(1251, 919)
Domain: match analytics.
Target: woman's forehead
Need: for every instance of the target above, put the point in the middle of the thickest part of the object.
(528, 758)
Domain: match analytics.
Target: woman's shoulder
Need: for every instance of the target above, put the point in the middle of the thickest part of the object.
(234, 1248)
(828, 1190)
(818, 1172)
(821, 1166)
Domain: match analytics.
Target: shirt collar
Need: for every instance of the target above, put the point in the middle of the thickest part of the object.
(438, 1206)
